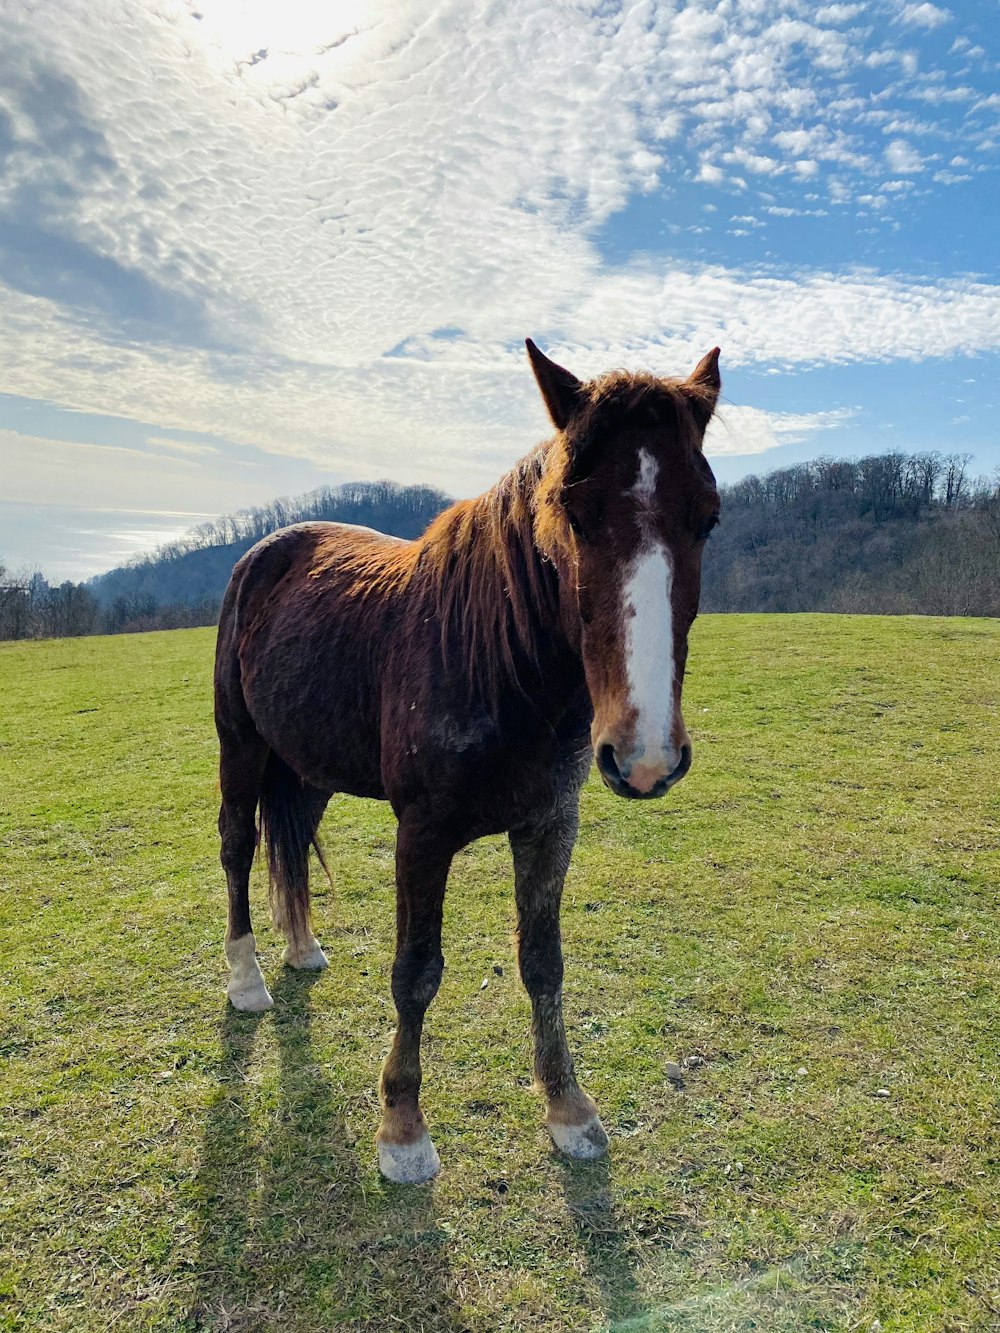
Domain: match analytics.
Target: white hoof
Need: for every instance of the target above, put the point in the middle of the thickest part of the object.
(250, 999)
(246, 990)
(409, 1163)
(583, 1142)
(311, 958)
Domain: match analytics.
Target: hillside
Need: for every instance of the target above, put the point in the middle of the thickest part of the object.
(194, 571)
(891, 533)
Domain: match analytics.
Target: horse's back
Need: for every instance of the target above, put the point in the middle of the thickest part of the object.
(302, 631)
(314, 553)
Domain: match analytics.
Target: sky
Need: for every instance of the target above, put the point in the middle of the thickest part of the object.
(248, 249)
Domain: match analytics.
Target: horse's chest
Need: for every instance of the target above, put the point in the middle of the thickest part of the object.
(477, 772)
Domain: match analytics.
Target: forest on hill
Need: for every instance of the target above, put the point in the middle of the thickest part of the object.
(892, 533)
(181, 584)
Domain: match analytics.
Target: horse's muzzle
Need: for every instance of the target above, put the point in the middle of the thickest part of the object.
(607, 764)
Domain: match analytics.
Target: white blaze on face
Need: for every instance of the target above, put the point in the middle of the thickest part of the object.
(649, 648)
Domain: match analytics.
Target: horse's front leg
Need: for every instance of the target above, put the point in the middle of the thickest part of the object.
(541, 859)
(423, 857)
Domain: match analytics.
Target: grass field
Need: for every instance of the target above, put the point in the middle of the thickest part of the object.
(808, 925)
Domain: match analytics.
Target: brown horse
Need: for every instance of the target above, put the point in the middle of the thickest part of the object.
(467, 678)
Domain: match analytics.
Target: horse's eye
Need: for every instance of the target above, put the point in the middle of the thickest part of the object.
(705, 530)
(574, 524)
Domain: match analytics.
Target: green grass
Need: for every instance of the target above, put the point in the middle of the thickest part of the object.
(812, 915)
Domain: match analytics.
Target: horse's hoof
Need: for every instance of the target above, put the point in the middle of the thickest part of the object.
(581, 1142)
(312, 960)
(251, 999)
(409, 1163)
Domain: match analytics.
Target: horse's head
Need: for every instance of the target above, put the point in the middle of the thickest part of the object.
(629, 498)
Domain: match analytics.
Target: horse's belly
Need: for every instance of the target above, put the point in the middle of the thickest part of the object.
(318, 711)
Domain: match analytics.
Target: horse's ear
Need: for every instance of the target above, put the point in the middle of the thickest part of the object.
(703, 385)
(560, 388)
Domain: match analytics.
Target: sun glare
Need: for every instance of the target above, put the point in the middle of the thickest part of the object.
(255, 32)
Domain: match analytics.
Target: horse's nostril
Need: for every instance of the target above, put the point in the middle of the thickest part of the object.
(607, 763)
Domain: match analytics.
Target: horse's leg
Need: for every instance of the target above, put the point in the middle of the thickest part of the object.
(405, 1151)
(241, 768)
(541, 859)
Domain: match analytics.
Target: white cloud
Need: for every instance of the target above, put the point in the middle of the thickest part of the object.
(750, 430)
(755, 162)
(86, 475)
(331, 250)
(903, 157)
(665, 317)
(838, 13)
(936, 94)
(925, 15)
(180, 446)
(797, 141)
(710, 174)
(783, 211)
(457, 412)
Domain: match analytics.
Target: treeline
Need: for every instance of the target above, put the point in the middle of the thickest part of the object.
(402, 511)
(196, 568)
(180, 584)
(31, 608)
(894, 533)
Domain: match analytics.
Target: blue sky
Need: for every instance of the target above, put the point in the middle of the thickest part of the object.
(246, 249)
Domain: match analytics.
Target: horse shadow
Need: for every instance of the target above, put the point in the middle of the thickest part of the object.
(611, 1260)
(290, 1230)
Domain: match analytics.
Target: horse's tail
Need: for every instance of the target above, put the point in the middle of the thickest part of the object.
(290, 811)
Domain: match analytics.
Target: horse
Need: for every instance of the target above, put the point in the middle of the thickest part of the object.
(469, 677)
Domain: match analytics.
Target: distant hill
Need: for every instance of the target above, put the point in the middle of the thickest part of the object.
(892, 533)
(193, 572)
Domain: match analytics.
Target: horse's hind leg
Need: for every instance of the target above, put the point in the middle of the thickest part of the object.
(541, 859)
(241, 770)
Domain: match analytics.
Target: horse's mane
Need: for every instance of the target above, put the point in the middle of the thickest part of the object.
(487, 569)
(479, 572)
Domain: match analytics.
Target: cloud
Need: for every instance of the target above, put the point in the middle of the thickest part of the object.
(180, 446)
(711, 174)
(666, 314)
(323, 230)
(738, 431)
(458, 411)
(925, 16)
(341, 192)
(98, 476)
(903, 157)
(838, 13)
